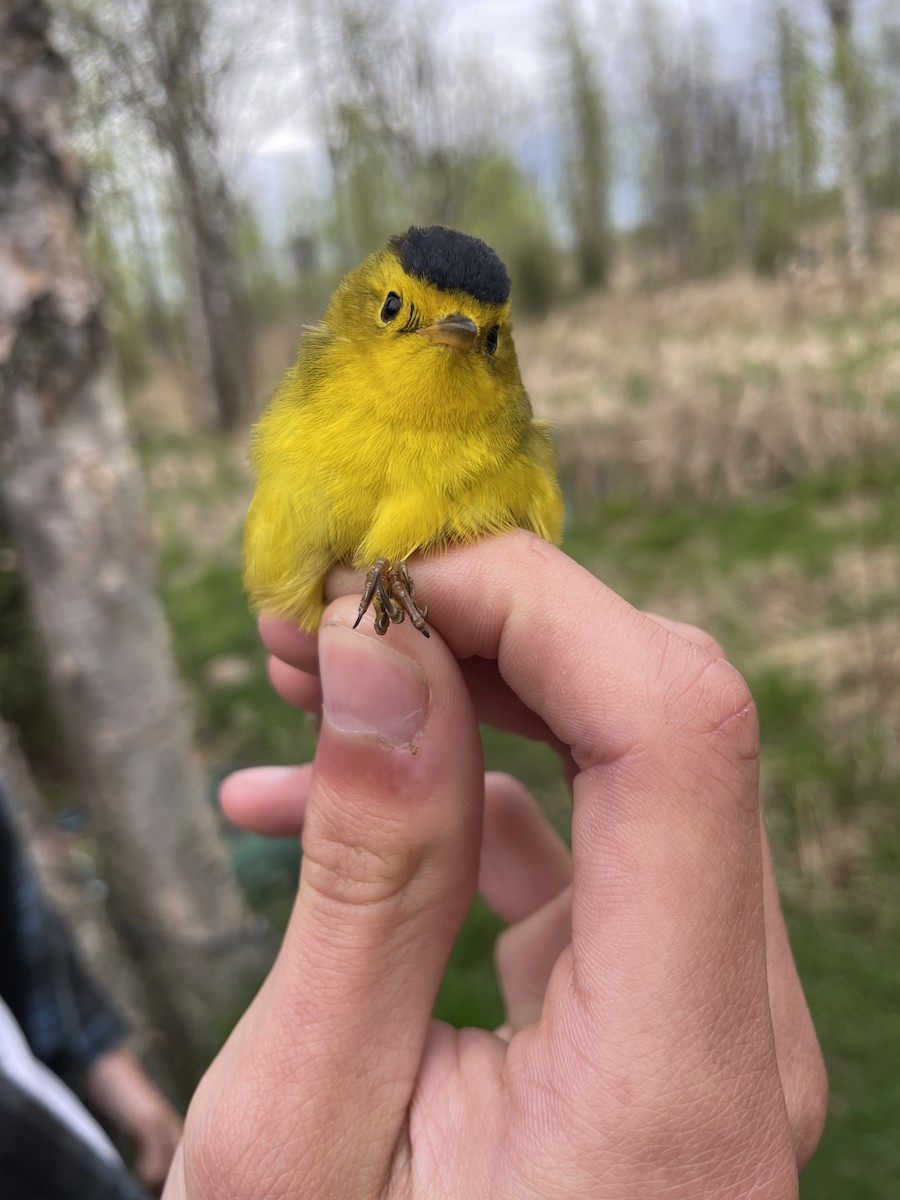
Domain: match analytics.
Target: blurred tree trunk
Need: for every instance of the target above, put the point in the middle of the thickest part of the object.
(669, 98)
(799, 105)
(75, 506)
(387, 109)
(588, 167)
(220, 346)
(154, 56)
(889, 45)
(848, 79)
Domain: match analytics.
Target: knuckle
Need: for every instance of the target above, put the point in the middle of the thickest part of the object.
(711, 700)
(354, 875)
(358, 874)
(530, 546)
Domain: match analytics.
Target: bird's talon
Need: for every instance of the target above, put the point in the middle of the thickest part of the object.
(389, 587)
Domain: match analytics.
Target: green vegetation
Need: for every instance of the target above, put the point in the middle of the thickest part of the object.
(830, 779)
(829, 775)
(731, 454)
(469, 994)
(851, 979)
(728, 445)
(588, 167)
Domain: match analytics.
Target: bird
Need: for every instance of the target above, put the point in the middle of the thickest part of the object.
(402, 427)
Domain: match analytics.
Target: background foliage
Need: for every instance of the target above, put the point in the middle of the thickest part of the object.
(705, 248)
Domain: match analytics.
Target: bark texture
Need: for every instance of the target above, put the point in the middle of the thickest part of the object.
(74, 501)
(157, 58)
(219, 345)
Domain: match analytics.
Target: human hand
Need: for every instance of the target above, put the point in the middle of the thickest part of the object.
(661, 1063)
(121, 1092)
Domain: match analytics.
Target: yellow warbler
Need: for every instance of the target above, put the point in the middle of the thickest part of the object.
(403, 426)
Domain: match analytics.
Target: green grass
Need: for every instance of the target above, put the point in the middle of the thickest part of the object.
(244, 722)
(807, 522)
(852, 984)
(831, 780)
(469, 993)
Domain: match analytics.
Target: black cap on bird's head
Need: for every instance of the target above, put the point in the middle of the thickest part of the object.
(453, 262)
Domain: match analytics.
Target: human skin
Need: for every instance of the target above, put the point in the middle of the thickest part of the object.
(658, 1043)
(120, 1091)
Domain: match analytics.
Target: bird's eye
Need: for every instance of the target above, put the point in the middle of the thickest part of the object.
(391, 307)
(493, 337)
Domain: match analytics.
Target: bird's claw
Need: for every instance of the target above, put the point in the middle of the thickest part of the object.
(389, 587)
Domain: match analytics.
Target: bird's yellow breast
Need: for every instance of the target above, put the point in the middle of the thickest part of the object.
(379, 445)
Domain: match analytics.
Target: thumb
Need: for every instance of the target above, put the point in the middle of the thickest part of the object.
(331, 1048)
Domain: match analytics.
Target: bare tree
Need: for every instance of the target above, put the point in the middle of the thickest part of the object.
(405, 131)
(888, 64)
(369, 70)
(73, 496)
(723, 164)
(669, 93)
(799, 88)
(588, 167)
(789, 145)
(155, 57)
(848, 78)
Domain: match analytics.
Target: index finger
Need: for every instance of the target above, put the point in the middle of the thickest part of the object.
(523, 602)
(664, 733)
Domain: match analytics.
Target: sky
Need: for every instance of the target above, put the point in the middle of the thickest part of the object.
(285, 156)
(511, 37)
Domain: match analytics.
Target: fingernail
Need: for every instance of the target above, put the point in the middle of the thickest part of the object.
(255, 775)
(370, 688)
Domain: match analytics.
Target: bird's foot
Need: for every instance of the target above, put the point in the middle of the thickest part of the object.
(389, 587)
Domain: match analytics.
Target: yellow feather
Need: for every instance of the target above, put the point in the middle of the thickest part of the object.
(380, 442)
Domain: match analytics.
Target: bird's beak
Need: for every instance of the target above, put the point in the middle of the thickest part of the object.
(456, 331)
